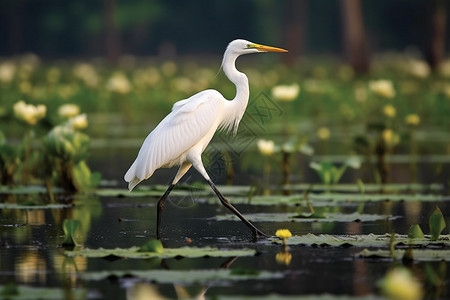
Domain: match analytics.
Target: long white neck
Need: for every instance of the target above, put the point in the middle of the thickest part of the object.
(236, 107)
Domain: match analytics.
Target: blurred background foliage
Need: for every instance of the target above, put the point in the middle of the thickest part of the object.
(364, 77)
(61, 29)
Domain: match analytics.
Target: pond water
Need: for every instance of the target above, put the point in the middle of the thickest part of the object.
(31, 238)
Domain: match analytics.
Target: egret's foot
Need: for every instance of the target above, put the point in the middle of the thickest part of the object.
(258, 233)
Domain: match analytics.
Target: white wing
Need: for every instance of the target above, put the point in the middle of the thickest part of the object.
(189, 121)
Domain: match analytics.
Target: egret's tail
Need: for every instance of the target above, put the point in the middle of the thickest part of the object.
(135, 181)
(131, 178)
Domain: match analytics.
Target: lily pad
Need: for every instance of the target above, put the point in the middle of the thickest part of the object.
(302, 297)
(145, 192)
(34, 206)
(133, 252)
(417, 254)
(295, 217)
(349, 197)
(28, 190)
(368, 187)
(369, 240)
(23, 292)
(183, 276)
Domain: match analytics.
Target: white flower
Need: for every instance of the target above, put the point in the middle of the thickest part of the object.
(383, 88)
(266, 147)
(29, 113)
(7, 72)
(79, 122)
(87, 74)
(118, 83)
(286, 92)
(68, 110)
(419, 69)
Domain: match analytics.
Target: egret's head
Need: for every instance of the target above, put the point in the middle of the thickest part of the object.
(243, 47)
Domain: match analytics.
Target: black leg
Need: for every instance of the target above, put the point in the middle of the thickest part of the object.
(160, 208)
(255, 231)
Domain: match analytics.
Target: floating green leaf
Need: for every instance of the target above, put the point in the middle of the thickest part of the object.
(415, 232)
(436, 223)
(369, 240)
(319, 217)
(418, 254)
(27, 292)
(152, 246)
(133, 252)
(36, 206)
(70, 227)
(29, 190)
(146, 192)
(294, 297)
(183, 276)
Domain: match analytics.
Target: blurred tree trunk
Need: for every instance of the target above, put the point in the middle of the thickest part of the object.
(112, 44)
(436, 51)
(354, 36)
(294, 28)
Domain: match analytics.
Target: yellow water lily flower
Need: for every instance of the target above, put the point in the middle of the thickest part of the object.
(389, 110)
(283, 233)
(399, 283)
(412, 119)
(323, 133)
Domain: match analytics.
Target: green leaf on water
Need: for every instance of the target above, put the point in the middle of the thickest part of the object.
(20, 206)
(415, 232)
(48, 293)
(295, 297)
(368, 240)
(417, 254)
(183, 276)
(70, 227)
(436, 223)
(134, 252)
(152, 246)
(313, 215)
(307, 217)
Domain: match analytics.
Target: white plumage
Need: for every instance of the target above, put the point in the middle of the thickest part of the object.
(182, 136)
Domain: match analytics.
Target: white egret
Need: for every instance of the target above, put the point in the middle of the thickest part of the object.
(182, 136)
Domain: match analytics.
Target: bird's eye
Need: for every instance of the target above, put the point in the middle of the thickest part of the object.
(249, 46)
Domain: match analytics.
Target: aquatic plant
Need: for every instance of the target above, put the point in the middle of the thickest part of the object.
(436, 223)
(65, 152)
(152, 245)
(283, 234)
(329, 173)
(9, 161)
(70, 227)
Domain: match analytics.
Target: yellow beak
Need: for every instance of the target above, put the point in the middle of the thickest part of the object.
(267, 48)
